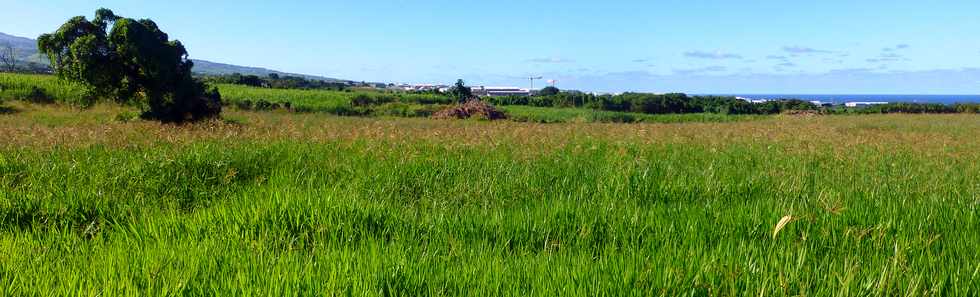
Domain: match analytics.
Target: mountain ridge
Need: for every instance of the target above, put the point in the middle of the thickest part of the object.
(25, 50)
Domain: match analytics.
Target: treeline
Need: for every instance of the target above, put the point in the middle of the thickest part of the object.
(679, 103)
(275, 81)
(27, 68)
(909, 108)
(656, 103)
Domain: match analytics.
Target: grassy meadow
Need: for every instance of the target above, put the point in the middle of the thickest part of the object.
(275, 203)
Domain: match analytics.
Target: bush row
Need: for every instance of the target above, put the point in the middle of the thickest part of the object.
(262, 104)
(678, 103)
(910, 108)
(656, 103)
(375, 108)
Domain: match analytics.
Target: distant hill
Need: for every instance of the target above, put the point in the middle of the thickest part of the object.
(24, 48)
(26, 51)
(214, 68)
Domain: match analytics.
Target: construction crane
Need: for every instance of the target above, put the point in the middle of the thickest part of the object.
(532, 78)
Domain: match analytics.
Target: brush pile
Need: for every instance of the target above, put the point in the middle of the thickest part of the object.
(472, 108)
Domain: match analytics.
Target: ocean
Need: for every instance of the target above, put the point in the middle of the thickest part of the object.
(840, 99)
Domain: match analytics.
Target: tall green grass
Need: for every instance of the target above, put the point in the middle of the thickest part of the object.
(329, 101)
(47, 88)
(230, 210)
(40, 88)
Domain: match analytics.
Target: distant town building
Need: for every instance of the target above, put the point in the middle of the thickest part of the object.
(483, 91)
(422, 87)
(861, 104)
(750, 100)
(822, 103)
(480, 91)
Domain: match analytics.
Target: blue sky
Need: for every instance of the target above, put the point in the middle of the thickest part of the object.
(712, 46)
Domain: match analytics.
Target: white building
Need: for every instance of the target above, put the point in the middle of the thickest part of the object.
(421, 87)
(750, 100)
(861, 104)
(483, 91)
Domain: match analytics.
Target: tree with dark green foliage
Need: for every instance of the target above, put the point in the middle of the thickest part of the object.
(549, 91)
(250, 80)
(460, 91)
(134, 63)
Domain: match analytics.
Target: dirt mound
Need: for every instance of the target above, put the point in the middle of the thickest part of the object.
(472, 108)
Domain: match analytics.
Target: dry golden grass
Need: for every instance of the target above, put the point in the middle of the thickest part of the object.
(785, 220)
(35, 126)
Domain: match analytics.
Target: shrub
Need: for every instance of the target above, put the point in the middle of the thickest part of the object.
(38, 96)
(394, 109)
(261, 104)
(244, 104)
(368, 100)
(127, 116)
(967, 107)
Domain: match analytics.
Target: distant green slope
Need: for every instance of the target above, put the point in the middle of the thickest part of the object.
(24, 48)
(215, 68)
(26, 51)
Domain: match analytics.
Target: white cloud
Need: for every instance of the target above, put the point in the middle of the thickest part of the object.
(549, 60)
(717, 55)
(804, 50)
(701, 70)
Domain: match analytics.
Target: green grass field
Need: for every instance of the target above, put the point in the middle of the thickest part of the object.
(320, 100)
(40, 88)
(311, 204)
(46, 88)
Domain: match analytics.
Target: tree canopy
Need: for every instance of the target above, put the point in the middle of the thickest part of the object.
(135, 62)
(549, 91)
(460, 91)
